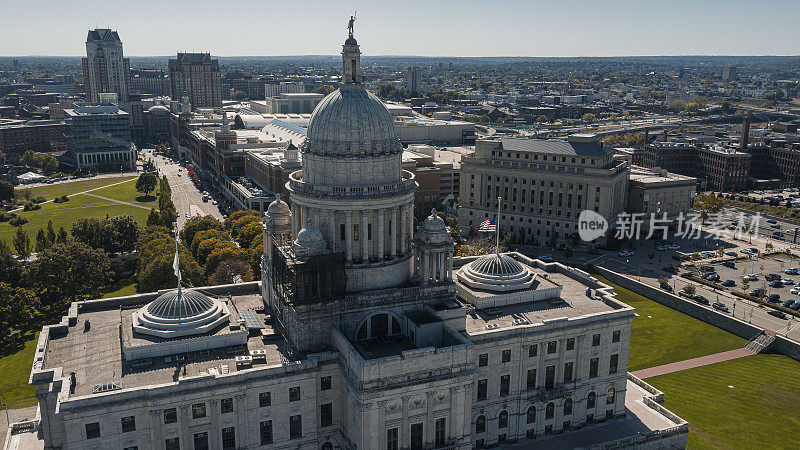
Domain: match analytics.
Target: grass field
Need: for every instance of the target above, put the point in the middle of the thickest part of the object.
(662, 335)
(14, 372)
(52, 191)
(745, 403)
(84, 205)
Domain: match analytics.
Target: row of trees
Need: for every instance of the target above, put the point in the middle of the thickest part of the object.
(166, 214)
(111, 234)
(44, 161)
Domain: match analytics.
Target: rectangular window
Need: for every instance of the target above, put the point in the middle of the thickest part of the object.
(506, 356)
(128, 424)
(200, 441)
(416, 436)
(551, 347)
(266, 432)
(341, 232)
(505, 382)
(172, 444)
(355, 232)
(440, 433)
(595, 340)
(568, 371)
(369, 231)
(533, 350)
(229, 438)
(326, 414)
(615, 336)
(530, 382)
(570, 344)
(295, 427)
(482, 387)
(392, 440)
(294, 394)
(170, 415)
(198, 410)
(325, 383)
(593, 368)
(549, 377)
(226, 405)
(264, 399)
(612, 365)
(483, 359)
(93, 430)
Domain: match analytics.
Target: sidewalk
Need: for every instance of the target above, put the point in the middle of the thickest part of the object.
(692, 363)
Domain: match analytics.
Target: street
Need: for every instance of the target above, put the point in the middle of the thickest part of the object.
(187, 198)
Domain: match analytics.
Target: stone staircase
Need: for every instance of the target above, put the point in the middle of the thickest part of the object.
(761, 341)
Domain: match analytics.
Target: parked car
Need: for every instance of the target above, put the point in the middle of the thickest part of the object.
(772, 221)
(787, 281)
(545, 258)
(752, 277)
(719, 306)
(708, 269)
(700, 299)
(788, 303)
(626, 253)
(776, 284)
(791, 271)
(732, 253)
(772, 276)
(795, 291)
(729, 283)
(756, 292)
(774, 298)
(666, 287)
(776, 313)
(730, 264)
(683, 293)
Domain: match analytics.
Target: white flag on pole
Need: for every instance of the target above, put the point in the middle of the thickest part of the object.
(177, 266)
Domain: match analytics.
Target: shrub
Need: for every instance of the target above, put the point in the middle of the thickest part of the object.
(17, 221)
(31, 206)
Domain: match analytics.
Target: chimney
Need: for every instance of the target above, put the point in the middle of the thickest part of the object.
(666, 136)
(745, 132)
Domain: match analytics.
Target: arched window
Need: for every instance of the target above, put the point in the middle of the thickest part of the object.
(550, 411)
(567, 406)
(502, 420)
(531, 415)
(611, 396)
(378, 325)
(327, 446)
(590, 400)
(480, 425)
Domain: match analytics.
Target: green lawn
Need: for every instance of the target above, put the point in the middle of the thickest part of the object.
(761, 409)
(122, 288)
(662, 335)
(83, 205)
(52, 191)
(14, 372)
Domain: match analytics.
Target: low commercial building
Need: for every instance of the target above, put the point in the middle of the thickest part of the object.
(44, 136)
(658, 192)
(99, 135)
(293, 103)
(434, 131)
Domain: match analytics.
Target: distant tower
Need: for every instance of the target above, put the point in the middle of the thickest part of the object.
(412, 80)
(104, 68)
(197, 76)
(433, 252)
(730, 73)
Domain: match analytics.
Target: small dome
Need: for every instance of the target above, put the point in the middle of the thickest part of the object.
(434, 223)
(159, 109)
(351, 122)
(351, 41)
(278, 207)
(180, 313)
(310, 242)
(433, 231)
(496, 272)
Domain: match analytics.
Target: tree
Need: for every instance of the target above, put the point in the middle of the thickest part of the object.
(231, 271)
(223, 253)
(239, 96)
(18, 307)
(707, 204)
(153, 218)
(69, 272)
(22, 243)
(196, 225)
(324, 89)
(51, 234)
(6, 191)
(248, 233)
(42, 243)
(204, 235)
(125, 231)
(62, 237)
(146, 183)
(690, 289)
(205, 247)
(10, 269)
(663, 280)
(156, 253)
(588, 117)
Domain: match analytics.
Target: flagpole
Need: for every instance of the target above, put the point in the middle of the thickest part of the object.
(176, 263)
(497, 228)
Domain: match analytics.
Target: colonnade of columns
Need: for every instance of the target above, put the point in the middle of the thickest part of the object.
(434, 265)
(365, 231)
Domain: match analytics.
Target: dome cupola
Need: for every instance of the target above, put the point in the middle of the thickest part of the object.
(496, 272)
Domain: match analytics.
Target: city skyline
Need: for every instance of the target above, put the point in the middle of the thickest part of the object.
(534, 29)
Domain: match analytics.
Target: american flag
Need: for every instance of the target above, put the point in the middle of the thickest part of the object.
(488, 226)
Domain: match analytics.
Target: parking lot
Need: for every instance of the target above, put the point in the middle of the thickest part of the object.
(760, 268)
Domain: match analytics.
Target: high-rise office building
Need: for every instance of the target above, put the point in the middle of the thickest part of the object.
(197, 76)
(104, 68)
(412, 79)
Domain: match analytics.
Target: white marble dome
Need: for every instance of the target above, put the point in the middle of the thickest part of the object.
(310, 242)
(278, 208)
(433, 230)
(180, 313)
(351, 122)
(496, 273)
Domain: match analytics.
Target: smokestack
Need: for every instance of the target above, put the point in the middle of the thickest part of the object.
(666, 137)
(646, 135)
(745, 132)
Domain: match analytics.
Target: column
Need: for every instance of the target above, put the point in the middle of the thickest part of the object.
(440, 256)
(454, 421)
(303, 217)
(429, 431)
(156, 435)
(334, 231)
(405, 430)
(315, 218)
(242, 436)
(348, 235)
(295, 219)
(364, 235)
(403, 229)
(215, 433)
(425, 267)
(380, 236)
(410, 225)
(449, 265)
(186, 435)
(393, 232)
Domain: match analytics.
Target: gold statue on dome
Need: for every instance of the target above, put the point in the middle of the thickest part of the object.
(350, 25)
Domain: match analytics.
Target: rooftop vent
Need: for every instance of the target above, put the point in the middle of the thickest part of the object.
(105, 387)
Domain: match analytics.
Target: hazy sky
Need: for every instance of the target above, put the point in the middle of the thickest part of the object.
(429, 28)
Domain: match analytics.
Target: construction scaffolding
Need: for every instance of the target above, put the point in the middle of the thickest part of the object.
(306, 280)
